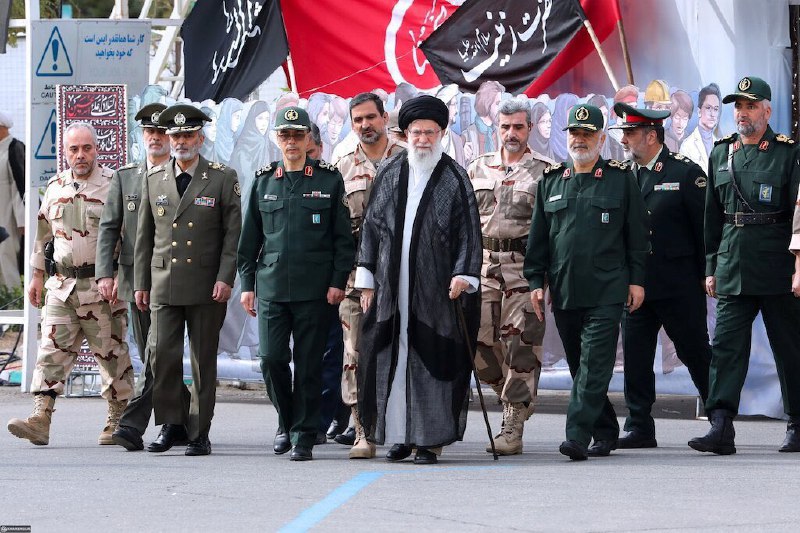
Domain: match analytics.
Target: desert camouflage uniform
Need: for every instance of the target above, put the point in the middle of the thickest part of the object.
(358, 173)
(73, 309)
(510, 338)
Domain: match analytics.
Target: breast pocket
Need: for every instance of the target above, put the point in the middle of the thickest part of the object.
(56, 217)
(767, 189)
(357, 196)
(555, 212)
(316, 212)
(522, 198)
(93, 214)
(605, 213)
(484, 195)
(272, 214)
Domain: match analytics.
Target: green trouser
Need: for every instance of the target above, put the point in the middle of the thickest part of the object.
(730, 351)
(297, 401)
(590, 337)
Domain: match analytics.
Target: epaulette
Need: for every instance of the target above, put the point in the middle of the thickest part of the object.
(552, 168)
(680, 157)
(728, 138)
(216, 166)
(129, 165)
(321, 163)
(155, 170)
(543, 158)
(53, 179)
(263, 170)
(781, 138)
(622, 165)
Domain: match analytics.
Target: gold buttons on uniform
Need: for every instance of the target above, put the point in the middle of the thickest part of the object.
(189, 260)
(174, 243)
(174, 260)
(191, 225)
(188, 243)
(174, 224)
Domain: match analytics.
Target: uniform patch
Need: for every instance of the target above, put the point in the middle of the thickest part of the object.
(658, 166)
(316, 194)
(315, 218)
(204, 176)
(270, 197)
(598, 173)
(566, 173)
(131, 206)
(162, 200)
(205, 201)
(279, 173)
(161, 211)
(309, 171)
(763, 146)
(554, 198)
(237, 189)
(737, 145)
(667, 187)
(604, 218)
(765, 193)
(701, 182)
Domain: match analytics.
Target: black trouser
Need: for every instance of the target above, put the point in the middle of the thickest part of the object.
(332, 371)
(684, 320)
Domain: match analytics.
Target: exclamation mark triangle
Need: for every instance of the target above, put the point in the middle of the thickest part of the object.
(47, 144)
(55, 59)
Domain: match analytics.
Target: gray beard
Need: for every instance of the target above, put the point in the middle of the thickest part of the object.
(424, 163)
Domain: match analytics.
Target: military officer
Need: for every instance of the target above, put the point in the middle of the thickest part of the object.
(184, 268)
(753, 179)
(673, 188)
(589, 239)
(359, 168)
(510, 336)
(118, 224)
(69, 216)
(296, 251)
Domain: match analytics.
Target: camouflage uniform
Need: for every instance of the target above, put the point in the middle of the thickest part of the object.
(358, 173)
(73, 309)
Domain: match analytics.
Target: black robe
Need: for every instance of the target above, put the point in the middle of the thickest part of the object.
(446, 241)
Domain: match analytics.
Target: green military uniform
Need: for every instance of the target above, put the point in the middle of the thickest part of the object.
(747, 234)
(296, 243)
(589, 242)
(185, 244)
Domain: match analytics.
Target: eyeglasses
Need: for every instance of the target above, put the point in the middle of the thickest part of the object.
(294, 135)
(423, 133)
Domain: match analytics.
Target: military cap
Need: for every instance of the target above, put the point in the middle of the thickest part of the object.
(657, 91)
(148, 116)
(182, 118)
(633, 117)
(750, 88)
(292, 118)
(585, 117)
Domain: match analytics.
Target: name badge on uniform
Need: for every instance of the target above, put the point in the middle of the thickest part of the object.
(205, 201)
(765, 193)
(316, 219)
(162, 200)
(604, 218)
(270, 197)
(131, 196)
(554, 198)
(316, 194)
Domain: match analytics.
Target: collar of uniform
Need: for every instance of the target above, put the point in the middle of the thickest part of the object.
(191, 170)
(496, 158)
(360, 156)
(96, 177)
(652, 162)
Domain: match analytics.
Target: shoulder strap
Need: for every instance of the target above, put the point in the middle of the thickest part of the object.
(733, 180)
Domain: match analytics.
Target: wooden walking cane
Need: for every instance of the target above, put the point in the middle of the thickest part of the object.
(471, 356)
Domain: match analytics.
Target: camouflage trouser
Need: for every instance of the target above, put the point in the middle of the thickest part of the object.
(64, 326)
(510, 337)
(350, 315)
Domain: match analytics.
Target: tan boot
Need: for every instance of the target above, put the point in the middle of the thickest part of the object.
(362, 449)
(509, 440)
(36, 428)
(115, 410)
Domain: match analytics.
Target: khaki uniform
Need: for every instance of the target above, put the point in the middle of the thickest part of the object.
(358, 173)
(509, 354)
(73, 309)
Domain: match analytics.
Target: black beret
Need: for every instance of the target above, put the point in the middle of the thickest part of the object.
(423, 108)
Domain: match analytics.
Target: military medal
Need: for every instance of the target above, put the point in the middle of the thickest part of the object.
(161, 210)
(315, 218)
(131, 206)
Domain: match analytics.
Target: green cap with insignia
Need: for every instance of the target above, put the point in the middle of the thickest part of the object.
(148, 116)
(182, 118)
(750, 88)
(292, 118)
(632, 117)
(585, 117)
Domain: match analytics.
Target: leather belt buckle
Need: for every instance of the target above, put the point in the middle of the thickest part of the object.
(738, 220)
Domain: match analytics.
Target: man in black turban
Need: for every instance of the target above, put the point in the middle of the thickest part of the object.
(419, 260)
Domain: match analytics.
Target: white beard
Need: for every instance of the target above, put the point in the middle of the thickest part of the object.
(423, 162)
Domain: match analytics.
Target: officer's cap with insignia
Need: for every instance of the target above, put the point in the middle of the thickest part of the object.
(633, 117)
(148, 116)
(750, 88)
(292, 118)
(585, 117)
(182, 118)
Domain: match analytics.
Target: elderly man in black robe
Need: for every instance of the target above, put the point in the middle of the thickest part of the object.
(418, 267)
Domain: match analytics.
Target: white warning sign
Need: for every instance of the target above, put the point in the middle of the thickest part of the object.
(46, 149)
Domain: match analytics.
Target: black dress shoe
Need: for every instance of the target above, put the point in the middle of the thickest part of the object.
(281, 444)
(301, 453)
(348, 438)
(199, 446)
(425, 457)
(128, 438)
(398, 452)
(322, 438)
(339, 424)
(602, 448)
(574, 450)
(792, 441)
(634, 439)
(171, 435)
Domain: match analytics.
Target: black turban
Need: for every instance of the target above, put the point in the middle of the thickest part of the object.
(423, 108)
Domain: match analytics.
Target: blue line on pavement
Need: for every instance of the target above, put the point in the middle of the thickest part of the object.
(317, 512)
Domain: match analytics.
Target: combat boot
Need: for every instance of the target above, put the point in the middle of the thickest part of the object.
(115, 410)
(36, 428)
(720, 438)
(362, 448)
(509, 440)
(792, 441)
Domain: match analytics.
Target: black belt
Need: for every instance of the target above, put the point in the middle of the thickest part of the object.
(81, 272)
(505, 245)
(746, 219)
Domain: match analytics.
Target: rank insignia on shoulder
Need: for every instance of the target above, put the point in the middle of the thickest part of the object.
(129, 165)
(679, 157)
(155, 170)
(781, 138)
(701, 182)
(237, 189)
(263, 170)
(216, 166)
(344, 201)
(728, 138)
(552, 168)
(622, 165)
(321, 163)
